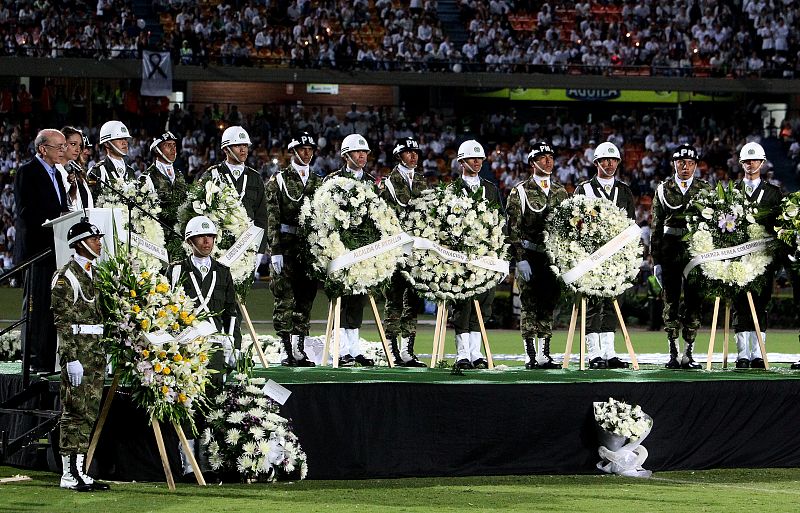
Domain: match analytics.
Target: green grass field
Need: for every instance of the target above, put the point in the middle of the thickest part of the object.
(723, 491)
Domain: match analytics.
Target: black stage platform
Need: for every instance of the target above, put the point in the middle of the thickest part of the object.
(363, 423)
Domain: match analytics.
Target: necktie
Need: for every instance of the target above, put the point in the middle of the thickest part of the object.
(749, 189)
(170, 174)
(204, 270)
(544, 185)
(683, 184)
(302, 173)
(88, 266)
(55, 184)
(237, 173)
(607, 189)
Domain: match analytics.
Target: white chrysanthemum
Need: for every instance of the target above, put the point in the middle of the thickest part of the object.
(236, 417)
(233, 436)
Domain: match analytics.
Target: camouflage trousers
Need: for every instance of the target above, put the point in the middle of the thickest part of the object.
(679, 314)
(538, 297)
(294, 292)
(80, 405)
(600, 315)
(402, 306)
(465, 318)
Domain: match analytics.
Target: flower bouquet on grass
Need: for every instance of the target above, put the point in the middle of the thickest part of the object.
(139, 193)
(788, 226)
(726, 242)
(247, 436)
(593, 246)
(168, 378)
(459, 245)
(220, 202)
(354, 238)
(621, 429)
(10, 346)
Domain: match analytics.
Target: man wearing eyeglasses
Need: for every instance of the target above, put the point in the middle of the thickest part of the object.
(39, 195)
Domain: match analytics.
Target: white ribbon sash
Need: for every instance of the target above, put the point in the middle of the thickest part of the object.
(148, 247)
(727, 253)
(605, 252)
(252, 237)
(485, 262)
(369, 251)
(160, 337)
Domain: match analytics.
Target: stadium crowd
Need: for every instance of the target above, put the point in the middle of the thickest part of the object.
(700, 38)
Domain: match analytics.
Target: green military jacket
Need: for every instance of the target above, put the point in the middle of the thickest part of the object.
(396, 191)
(620, 194)
(527, 208)
(219, 301)
(104, 171)
(767, 197)
(669, 212)
(347, 173)
(487, 189)
(284, 197)
(171, 195)
(74, 304)
(251, 191)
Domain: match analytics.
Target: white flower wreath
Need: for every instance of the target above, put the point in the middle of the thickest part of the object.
(141, 194)
(721, 218)
(220, 202)
(457, 222)
(344, 215)
(578, 227)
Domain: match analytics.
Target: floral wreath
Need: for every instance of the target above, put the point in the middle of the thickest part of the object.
(467, 224)
(345, 215)
(722, 218)
(247, 435)
(140, 193)
(788, 224)
(577, 228)
(168, 379)
(220, 202)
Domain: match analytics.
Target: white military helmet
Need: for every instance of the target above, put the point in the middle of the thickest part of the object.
(199, 225)
(113, 130)
(606, 150)
(470, 149)
(234, 135)
(353, 142)
(752, 151)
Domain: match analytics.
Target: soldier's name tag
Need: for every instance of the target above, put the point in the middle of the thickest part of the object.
(276, 392)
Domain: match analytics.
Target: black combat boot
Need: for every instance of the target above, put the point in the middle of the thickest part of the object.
(414, 361)
(303, 361)
(395, 349)
(290, 360)
(530, 350)
(549, 364)
(673, 362)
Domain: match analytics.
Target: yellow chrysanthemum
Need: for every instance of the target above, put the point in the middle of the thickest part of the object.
(133, 293)
(190, 319)
(145, 275)
(145, 323)
(202, 357)
(166, 370)
(182, 398)
(184, 314)
(165, 390)
(136, 309)
(145, 353)
(162, 288)
(162, 313)
(162, 354)
(177, 358)
(157, 367)
(176, 326)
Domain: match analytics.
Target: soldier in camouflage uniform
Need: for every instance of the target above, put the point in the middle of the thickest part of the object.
(114, 137)
(246, 180)
(671, 254)
(291, 284)
(83, 362)
(529, 204)
(764, 196)
(465, 319)
(402, 301)
(601, 319)
(354, 150)
(171, 187)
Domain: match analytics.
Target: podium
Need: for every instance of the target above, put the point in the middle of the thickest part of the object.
(103, 218)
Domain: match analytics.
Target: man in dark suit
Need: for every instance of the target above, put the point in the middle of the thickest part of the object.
(39, 195)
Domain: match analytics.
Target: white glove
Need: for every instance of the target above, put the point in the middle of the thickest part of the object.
(277, 263)
(227, 346)
(658, 275)
(524, 270)
(75, 372)
(233, 359)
